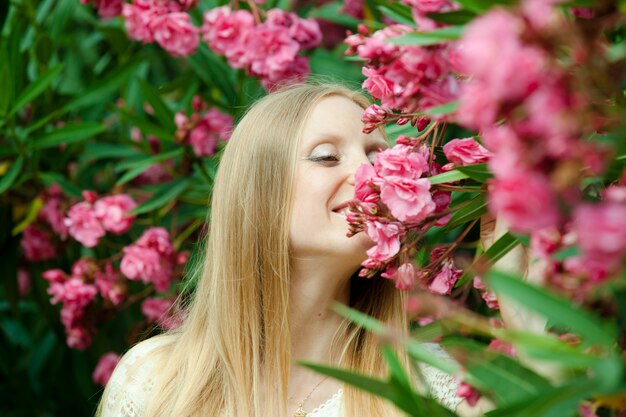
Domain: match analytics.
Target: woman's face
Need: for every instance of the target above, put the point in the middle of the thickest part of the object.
(333, 147)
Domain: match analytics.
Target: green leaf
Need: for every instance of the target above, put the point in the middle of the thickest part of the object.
(481, 6)
(456, 17)
(9, 177)
(477, 172)
(99, 90)
(398, 12)
(68, 188)
(565, 253)
(361, 319)
(66, 135)
(450, 176)
(164, 195)
(161, 111)
(556, 309)
(433, 37)
(36, 88)
(214, 73)
(473, 210)
(146, 127)
(331, 12)
(146, 162)
(98, 150)
(443, 109)
(497, 250)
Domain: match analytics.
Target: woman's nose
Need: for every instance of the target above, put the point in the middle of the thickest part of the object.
(357, 162)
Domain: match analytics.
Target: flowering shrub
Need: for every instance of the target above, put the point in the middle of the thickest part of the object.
(115, 113)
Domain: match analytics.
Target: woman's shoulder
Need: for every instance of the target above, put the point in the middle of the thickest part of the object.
(133, 379)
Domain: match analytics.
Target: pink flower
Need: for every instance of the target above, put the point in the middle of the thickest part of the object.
(387, 237)
(112, 211)
(224, 31)
(445, 279)
(545, 242)
(363, 190)
(465, 152)
(601, 230)
(489, 297)
(294, 72)
(306, 32)
(23, 282)
(54, 276)
(109, 284)
(533, 209)
(109, 8)
(83, 224)
(400, 161)
(468, 393)
(376, 83)
(175, 33)
(404, 276)
(269, 49)
(52, 213)
(160, 310)
(374, 116)
(157, 238)
(104, 368)
(430, 6)
(78, 338)
(36, 245)
(477, 109)
(497, 345)
(408, 200)
(139, 16)
(74, 292)
(147, 265)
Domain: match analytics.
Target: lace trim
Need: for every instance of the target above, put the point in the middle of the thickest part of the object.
(329, 402)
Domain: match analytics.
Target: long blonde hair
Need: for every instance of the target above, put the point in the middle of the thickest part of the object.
(232, 355)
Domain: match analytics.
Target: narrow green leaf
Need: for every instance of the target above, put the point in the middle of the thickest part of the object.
(480, 6)
(68, 188)
(398, 12)
(556, 309)
(161, 111)
(450, 176)
(331, 12)
(146, 127)
(565, 253)
(9, 177)
(146, 162)
(36, 88)
(443, 109)
(473, 210)
(98, 150)
(66, 135)
(433, 37)
(164, 195)
(497, 250)
(477, 172)
(395, 368)
(360, 318)
(97, 92)
(456, 17)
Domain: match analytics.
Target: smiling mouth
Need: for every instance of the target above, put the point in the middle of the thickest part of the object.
(342, 209)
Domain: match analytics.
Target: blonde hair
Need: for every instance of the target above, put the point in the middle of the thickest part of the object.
(232, 355)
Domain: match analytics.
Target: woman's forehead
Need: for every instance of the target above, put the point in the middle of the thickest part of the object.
(337, 118)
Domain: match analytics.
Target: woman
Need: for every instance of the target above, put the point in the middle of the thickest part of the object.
(277, 256)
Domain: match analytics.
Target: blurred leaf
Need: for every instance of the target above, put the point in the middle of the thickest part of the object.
(164, 195)
(477, 172)
(450, 176)
(15, 332)
(565, 253)
(68, 188)
(556, 309)
(497, 250)
(443, 109)
(146, 162)
(7, 179)
(31, 216)
(331, 12)
(480, 6)
(101, 89)
(36, 88)
(162, 113)
(146, 127)
(99, 150)
(66, 135)
(473, 210)
(433, 37)
(455, 17)
(399, 12)
(215, 73)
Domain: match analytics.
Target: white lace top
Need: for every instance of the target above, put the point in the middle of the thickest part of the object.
(133, 379)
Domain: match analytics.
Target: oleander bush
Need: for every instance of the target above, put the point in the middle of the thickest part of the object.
(114, 114)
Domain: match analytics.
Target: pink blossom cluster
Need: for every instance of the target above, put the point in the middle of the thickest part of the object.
(40, 239)
(90, 219)
(105, 367)
(164, 22)
(405, 78)
(394, 202)
(163, 312)
(152, 258)
(269, 49)
(77, 292)
(204, 129)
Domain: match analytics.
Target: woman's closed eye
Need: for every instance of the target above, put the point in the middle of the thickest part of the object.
(325, 158)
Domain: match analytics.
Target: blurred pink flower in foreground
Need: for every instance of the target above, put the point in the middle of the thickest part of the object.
(105, 367)
(36, 245)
